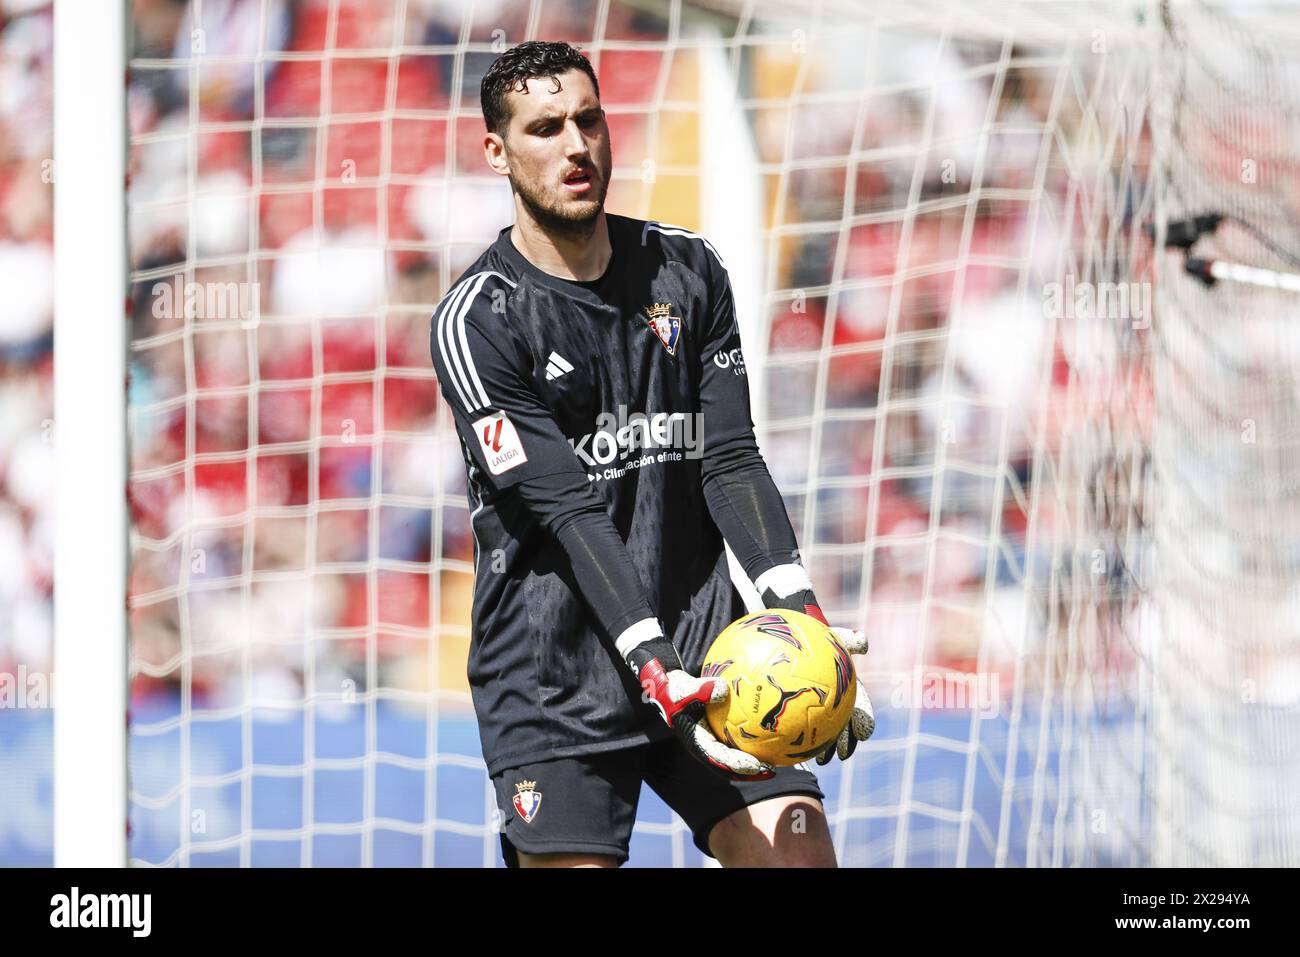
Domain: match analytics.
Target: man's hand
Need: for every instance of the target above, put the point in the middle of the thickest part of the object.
(788, 587)
(680, 699)
(863, 720)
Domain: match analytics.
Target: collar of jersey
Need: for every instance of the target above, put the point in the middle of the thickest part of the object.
(594, 291)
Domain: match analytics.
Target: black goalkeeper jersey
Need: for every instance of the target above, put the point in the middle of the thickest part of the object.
(622, 400)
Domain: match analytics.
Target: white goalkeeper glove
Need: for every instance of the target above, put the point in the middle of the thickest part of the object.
(788, 587)
(680, 699)
(863, 720)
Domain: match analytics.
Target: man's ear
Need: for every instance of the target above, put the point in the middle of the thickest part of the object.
(494, 151)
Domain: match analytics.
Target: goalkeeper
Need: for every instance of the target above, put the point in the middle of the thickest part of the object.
(593, 366)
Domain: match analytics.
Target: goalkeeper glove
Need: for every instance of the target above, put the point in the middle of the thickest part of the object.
(680, 699)
(788, 587)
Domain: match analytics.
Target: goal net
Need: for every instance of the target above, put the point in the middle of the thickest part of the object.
(1225, 516)
(1051, 473)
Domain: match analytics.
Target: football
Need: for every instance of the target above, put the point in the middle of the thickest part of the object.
(792, 686)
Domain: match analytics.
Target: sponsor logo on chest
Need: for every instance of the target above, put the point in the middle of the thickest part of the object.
(618, 436)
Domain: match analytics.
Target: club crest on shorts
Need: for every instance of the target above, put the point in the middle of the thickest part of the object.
(527, 800)
(665, 325)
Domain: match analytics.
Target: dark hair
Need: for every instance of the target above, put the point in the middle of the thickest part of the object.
(527, 61)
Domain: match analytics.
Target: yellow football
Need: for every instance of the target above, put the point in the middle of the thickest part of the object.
(792, 686)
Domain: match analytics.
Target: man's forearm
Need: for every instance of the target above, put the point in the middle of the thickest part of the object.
(747, 507)
(571, 510)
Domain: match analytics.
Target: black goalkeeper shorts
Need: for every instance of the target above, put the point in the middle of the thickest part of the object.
(587, 804)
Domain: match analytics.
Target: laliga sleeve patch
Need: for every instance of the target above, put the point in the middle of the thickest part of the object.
(500, 443)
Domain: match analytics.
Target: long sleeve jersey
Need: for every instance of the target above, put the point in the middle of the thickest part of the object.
(608, 448)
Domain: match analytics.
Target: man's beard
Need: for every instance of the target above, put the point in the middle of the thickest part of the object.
(555, 219)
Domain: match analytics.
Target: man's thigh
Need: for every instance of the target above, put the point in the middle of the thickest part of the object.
(565, 860)
(569, 812)
(731, 820)
(785, 831)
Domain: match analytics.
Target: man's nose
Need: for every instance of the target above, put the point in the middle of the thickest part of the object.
(575, 144)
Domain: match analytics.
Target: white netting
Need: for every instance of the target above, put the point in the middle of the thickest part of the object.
(1225, 450)
(987, 403)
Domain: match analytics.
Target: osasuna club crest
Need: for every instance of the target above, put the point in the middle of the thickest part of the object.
(665, 325)
(527, 800)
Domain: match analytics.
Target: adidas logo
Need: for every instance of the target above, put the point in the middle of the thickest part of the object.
(556, 366)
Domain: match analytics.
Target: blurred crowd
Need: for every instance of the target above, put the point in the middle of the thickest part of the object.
(321, 183)
(26, 335)
(949, 386)
(297, 491)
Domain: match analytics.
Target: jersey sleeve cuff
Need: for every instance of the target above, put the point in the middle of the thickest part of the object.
(784, 580)
(647, 629)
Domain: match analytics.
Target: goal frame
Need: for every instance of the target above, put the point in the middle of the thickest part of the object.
(90, 383)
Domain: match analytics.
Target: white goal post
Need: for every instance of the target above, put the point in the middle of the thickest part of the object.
(90, 337)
